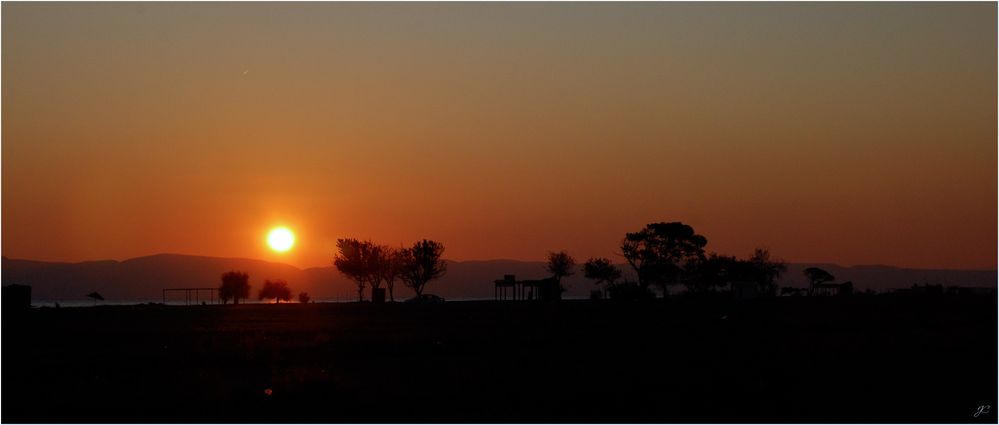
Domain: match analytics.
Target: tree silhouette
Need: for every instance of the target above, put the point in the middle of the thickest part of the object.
(353, 259)
(716, 271)
(390, 267)
(767, 270)
(421, 264)
(560, 264)
(304, 298)
(663, 253)
(816, 276)
(601, 270)
(375, 260)
(235, 285)
(275, 290)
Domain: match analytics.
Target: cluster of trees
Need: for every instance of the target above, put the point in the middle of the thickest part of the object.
(370, 264)
(662, 255)
(666, 255)
(236, 286)
(364, 262)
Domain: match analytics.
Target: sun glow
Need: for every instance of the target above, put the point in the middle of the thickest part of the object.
(280, 239)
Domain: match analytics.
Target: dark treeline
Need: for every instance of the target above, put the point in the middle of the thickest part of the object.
(663, 256)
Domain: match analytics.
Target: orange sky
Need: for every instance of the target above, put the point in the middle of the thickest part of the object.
(854, 133)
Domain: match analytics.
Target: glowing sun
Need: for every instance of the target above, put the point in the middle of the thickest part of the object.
(280, 239)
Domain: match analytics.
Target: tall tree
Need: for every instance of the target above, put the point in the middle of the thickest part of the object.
(375, 261)
(767, 270)
(235, 286)
(663, 253)
(353, 260)
(601, 270)
(275, 290)
(816, 277)
(422, 263)
(560, 264)
(391, 267)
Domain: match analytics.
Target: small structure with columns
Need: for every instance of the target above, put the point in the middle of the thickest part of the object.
(509, 288)
(194, 295)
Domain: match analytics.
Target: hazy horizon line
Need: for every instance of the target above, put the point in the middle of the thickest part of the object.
(994, 269)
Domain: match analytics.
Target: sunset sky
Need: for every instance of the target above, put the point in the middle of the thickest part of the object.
(851, 133)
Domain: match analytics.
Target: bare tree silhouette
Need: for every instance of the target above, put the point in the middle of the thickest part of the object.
(275, 290)
(663, 253)
(304, 298)
(235, 286)
(560, 264)
(816, 276)
(422, 263)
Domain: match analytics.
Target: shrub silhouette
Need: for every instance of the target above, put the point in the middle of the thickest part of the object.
(235, 286)
(304, 298)
(275, 290)
(421, 263)
(663, 253)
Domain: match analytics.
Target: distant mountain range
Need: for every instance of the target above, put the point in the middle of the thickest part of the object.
(145, 277)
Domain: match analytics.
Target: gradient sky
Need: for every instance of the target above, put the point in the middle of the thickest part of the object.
(853, 133)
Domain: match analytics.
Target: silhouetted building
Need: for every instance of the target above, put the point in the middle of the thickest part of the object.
(507, 284)
(542, 289)
(16, 297)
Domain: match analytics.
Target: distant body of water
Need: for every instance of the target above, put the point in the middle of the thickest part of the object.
(91, 303)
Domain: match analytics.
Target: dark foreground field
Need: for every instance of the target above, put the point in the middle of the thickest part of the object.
(870, 359)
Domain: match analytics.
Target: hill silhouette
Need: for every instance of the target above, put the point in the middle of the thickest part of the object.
(144, 277)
